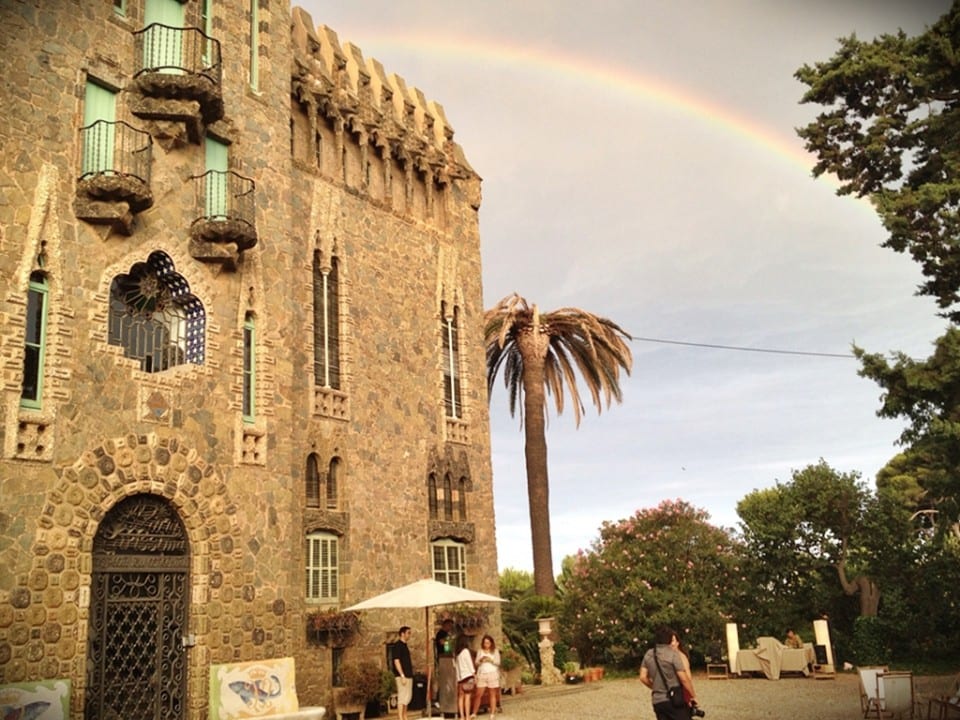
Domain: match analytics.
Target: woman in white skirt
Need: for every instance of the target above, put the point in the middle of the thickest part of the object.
(488, 676)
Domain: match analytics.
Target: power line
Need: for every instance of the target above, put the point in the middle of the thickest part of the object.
(744, 349)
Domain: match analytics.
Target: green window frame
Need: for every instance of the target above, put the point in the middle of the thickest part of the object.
(323, 567)
(35, 342)
(254, 78)
(249, 368)
(449, 562)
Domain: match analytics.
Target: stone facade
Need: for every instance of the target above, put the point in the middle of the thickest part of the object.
(197, 463)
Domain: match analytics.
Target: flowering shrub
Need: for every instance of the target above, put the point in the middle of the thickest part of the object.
(662, 566)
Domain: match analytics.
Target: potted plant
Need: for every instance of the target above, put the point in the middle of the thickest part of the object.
(332, 627)
(468, 618)
(571, 673)
(511, 665)
(362, 684)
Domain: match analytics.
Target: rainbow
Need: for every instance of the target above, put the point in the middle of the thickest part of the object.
(617, 79)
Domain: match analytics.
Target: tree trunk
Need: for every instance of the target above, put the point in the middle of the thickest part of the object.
(533, 347)
(867, 588)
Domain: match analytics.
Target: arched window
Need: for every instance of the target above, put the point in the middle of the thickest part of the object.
(447, 498)
(326, 324)
(312, 480)
(323, 567)
(462, 498)
(333, 484)
(155, 317)
(432, 496)
(249, 369)
(34, 342)
(451, 361)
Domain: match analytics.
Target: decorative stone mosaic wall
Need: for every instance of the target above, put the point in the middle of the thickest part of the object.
(372, 177)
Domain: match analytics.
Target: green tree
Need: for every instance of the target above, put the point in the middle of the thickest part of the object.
(926, 393)
(540, 355)
(816, 518)
(664, 565)
(890, 133)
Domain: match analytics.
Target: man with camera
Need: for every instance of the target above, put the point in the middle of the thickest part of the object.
(664, 672)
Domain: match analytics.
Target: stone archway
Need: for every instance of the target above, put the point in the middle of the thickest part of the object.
(136, 659)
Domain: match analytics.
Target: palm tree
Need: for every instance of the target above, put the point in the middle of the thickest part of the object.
(539, 354)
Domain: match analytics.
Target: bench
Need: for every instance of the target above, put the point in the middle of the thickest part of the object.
(46, 698)
(257, 689)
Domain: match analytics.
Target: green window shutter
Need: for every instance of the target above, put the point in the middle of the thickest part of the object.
(255, 44)
(163, 47)
(99, 103)
(216, 187)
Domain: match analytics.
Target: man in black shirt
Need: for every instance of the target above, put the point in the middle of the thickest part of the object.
(403, 670)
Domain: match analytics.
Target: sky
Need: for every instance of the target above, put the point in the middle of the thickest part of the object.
(640, 161)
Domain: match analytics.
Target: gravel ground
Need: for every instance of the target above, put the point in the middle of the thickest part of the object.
(793, 698)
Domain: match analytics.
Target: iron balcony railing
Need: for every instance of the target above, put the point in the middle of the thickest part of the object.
(115, 148)
(225, 195)
(163, 49)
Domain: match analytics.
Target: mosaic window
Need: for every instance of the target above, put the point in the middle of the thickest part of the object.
(155, 317)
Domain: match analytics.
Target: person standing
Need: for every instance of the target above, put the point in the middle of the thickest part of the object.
(662, 668)
(466, 677)
(403, 672)
(446, 673)
(488, 676)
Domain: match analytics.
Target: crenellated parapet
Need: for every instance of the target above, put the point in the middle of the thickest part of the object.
(378, 125)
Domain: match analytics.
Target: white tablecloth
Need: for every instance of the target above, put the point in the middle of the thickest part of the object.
(771, 657)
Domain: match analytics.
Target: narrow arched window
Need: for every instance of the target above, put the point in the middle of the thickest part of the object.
(34, 342)
(333, 483)
(451, 362)
(312, 481)
(249, 369)
(326, 323)
(447, 498)
(432, 496)
(462, 498)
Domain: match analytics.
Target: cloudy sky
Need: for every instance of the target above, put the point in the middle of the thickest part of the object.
(639, 161)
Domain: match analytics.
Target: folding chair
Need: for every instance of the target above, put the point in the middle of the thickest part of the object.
(895, 694)
(869, 699)
(946, 707)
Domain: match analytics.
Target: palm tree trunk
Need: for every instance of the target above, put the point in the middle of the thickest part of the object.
(533, 348)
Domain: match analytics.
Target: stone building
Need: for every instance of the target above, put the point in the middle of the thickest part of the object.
(241, 336)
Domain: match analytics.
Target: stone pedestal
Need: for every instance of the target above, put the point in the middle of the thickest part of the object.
(549, 675)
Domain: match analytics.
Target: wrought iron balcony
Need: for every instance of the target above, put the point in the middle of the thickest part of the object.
(114, 177)
(227, 225)
(177, 64)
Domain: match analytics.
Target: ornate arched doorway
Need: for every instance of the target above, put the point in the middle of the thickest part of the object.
(138, 613)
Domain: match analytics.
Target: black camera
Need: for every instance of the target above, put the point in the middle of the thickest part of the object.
(696, 712)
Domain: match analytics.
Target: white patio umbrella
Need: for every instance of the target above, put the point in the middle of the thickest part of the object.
(425, 594)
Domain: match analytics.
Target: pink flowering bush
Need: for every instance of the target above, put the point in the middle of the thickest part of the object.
(664, 565)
